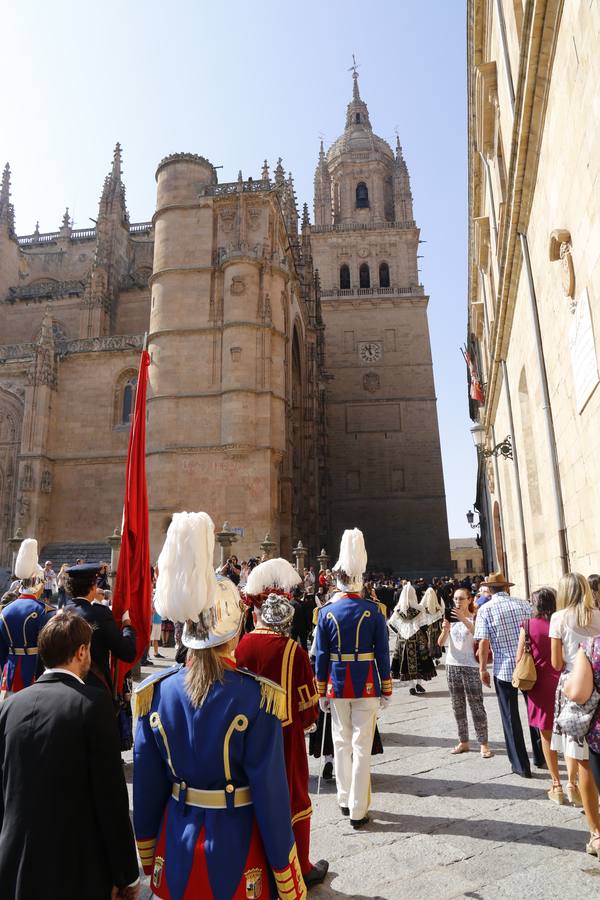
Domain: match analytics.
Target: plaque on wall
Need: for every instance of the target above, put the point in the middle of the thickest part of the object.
(584, 361)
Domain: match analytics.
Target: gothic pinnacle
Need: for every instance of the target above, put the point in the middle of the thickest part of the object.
(279, 172)
(265, 171)
(5, 189)
(305, 218)
(116, 165)
(66, 222)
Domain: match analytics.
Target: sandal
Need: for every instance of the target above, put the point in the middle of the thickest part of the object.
(487, 753)
(593, 846)
(556, 794)
(574, 795)
(462, 747)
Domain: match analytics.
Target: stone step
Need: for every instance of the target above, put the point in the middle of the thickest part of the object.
(67, 553)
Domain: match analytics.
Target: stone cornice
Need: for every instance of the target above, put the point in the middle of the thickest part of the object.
(210, 329)
(214, 448)
(217, 393)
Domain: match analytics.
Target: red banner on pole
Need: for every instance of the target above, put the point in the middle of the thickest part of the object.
(133, 585)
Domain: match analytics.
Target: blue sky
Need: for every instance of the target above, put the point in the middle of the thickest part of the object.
(238, 82)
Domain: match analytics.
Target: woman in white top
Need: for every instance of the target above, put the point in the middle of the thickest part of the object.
(462, 672)
(575, 620)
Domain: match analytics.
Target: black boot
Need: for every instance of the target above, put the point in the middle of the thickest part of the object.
(316, 875)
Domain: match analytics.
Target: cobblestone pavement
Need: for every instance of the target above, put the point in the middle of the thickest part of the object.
(449, 826)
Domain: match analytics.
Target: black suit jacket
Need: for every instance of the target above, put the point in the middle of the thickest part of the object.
(107, 638)
(64, 810)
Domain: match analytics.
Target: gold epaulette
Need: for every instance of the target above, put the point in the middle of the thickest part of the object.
(143, 694)
(272, 696)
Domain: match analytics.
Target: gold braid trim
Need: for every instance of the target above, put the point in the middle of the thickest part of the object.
(273, 698)
(142, 701)
(308, 703)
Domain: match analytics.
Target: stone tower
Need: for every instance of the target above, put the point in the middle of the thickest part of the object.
(234, 343)
(385, 468)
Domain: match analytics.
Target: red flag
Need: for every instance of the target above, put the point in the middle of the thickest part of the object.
(476, 390)
(133, 585)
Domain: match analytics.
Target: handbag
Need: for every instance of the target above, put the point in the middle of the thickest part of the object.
(574, 719)
(525, 674)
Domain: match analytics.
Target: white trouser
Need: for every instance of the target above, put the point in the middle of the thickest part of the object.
(352, 729)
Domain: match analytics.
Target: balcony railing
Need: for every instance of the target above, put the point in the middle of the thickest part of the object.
(414, 290)
(357, 226)
(77, 234)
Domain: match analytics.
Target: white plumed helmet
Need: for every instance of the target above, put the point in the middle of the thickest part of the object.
(187, 589)
(272, 573)
(352, 561)
(26, 565)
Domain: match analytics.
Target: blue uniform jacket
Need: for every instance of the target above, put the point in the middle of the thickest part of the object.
(352, 652)
(229, 742)
(20, 624)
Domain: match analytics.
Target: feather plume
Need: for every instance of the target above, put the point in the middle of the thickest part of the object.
(26, 564)
(186, 585)
(272, 573)
(353, 554)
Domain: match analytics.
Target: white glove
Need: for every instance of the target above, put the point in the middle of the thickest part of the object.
(324, 704)
(384, 701)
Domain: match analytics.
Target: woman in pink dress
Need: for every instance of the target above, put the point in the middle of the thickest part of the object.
(540, 699)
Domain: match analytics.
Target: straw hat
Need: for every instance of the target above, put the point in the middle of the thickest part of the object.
(496, 579)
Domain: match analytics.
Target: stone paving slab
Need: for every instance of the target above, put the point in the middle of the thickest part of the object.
(447, 826)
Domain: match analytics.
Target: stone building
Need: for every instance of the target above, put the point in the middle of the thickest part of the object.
(534, 282)
(385, 467)
(466, 557)
(246, 417)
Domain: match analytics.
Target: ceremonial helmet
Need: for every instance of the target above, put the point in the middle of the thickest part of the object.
(273, 576)
(27, 567)
(352, 561)
(187, 589)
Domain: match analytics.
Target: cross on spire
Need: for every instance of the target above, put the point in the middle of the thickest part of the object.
(354, 67)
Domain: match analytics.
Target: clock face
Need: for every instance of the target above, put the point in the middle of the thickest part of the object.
(370, 351)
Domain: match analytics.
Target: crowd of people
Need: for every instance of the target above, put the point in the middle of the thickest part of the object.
(266, 656)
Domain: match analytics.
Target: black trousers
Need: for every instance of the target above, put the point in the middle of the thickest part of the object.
(508, 701)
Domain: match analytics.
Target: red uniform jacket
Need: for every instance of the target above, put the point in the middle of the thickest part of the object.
(284, 661)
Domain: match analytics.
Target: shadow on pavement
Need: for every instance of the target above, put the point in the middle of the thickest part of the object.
(468, 790)
(496, 830)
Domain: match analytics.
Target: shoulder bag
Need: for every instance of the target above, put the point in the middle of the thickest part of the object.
(525, 674)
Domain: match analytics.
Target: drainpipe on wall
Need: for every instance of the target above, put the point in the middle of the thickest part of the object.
(511, 425)
(547, 410)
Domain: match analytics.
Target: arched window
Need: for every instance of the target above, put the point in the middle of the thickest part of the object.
(124, 398)
(384, 275)
(364, 276)
(128, 400)
(362, 195)
(344, 278)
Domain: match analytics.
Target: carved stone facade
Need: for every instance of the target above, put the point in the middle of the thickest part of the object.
(235, 413)
(534, 281)
(252, 414)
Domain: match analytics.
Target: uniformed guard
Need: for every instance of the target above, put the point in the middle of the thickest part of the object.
(211, 808)
(108, 639)
(21, 622)
(353, 675)
(270, 651)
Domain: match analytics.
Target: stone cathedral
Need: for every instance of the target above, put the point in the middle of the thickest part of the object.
(290, 386)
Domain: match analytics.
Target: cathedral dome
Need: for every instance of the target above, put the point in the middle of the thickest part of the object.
(358, 136)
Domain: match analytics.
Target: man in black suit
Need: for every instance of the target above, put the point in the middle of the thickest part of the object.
(107, 638)
(65, 832)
